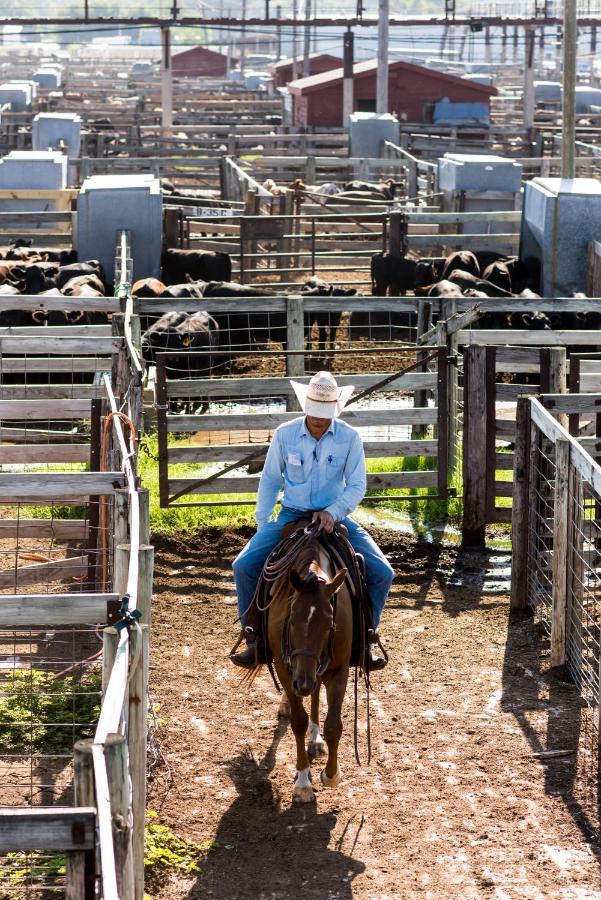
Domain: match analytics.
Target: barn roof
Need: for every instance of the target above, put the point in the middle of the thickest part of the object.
(369, 66)
(204, 52)
(287, 63)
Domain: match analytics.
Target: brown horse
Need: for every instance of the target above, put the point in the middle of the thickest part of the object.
(310, 636)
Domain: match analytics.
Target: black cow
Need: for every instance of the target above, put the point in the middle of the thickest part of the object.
(148, 287)
(392, 274)
(326, 322)
(226, 289)
(462, 259)
(40, 276)
(381, 189)
(497, 273)
(190, 340)
(194, 289)
(75, 270)
(199, 265)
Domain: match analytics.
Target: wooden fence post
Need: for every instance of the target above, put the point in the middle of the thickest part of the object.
(81, 884)
(172, 228)
(145, 570)
(117, 770)
(396, 234)
(420, 397)
(442, 403)
(561, 532)
(137, 728)
(474, 446)
(295, 363)
(520, 514)
(144, 508)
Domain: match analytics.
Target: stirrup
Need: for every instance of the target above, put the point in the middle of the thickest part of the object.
(374, 638)
(246, 633)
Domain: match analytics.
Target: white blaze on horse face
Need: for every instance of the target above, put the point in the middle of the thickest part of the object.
(311, 611)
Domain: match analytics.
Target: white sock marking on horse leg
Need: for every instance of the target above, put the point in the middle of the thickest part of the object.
(316, 744)
(303, 789)
(303, 778)
(313, 733)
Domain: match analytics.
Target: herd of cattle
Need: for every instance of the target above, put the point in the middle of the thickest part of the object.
(197, 276)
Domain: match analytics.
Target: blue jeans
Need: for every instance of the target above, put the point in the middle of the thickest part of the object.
(249, 562)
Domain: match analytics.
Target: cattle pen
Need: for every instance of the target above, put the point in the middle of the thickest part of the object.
(141, 382)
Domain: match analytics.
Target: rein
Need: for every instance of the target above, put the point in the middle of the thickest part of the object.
(288, 654)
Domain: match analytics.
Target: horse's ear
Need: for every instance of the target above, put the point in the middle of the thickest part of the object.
(296, 581)
(336, 583)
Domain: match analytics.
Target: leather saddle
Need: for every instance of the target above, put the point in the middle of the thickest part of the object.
(342, 555)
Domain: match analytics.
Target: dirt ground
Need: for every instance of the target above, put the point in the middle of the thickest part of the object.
(454, 804)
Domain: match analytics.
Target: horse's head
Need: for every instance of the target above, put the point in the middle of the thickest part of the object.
(311, 628)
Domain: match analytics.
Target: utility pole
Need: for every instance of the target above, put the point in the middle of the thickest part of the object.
(382, 77)
(307, 41)
(166, 79)
(570, 41)
(294, 41)
(243, 41)
(347, 76)
(528, 100)
(278, 31)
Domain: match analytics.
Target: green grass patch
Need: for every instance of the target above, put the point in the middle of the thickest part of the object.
(32, 699)
(165, 852)
(424, 514)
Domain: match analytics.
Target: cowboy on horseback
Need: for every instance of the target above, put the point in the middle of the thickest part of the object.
(319, 462)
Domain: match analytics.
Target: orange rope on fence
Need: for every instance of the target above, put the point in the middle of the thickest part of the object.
(104, 450)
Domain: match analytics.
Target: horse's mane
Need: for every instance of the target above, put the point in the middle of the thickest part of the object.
(302, 563)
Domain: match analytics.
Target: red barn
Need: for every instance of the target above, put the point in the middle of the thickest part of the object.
(200, 62)
(318, 62)
(412, 93)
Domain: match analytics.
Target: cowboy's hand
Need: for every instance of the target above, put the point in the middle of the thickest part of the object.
(325, 520)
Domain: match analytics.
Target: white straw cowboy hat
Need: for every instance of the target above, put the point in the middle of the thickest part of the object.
(322, 397)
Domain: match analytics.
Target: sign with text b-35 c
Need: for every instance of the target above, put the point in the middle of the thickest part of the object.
(213, 211)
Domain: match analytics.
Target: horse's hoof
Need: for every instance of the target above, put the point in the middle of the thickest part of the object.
(331, 782)
(303, 795)
(303, 790)
(284, 709)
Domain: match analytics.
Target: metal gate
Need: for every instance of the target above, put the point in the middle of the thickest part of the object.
(213, 432)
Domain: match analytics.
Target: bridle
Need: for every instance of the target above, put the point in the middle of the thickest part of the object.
(288, 653)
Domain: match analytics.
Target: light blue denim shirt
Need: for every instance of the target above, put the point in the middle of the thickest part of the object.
(326, 474)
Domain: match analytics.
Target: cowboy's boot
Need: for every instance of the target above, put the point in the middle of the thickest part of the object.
(374, 662)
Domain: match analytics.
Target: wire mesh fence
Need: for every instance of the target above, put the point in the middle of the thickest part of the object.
(557, 534)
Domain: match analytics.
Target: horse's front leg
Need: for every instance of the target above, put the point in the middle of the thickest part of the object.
(303, 789)
(316, 745)
(332, 729)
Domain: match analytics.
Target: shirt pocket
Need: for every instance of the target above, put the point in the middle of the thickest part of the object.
(334, 466)
(295, 468)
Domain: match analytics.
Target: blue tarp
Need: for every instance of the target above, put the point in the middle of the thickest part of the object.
(447, 113)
